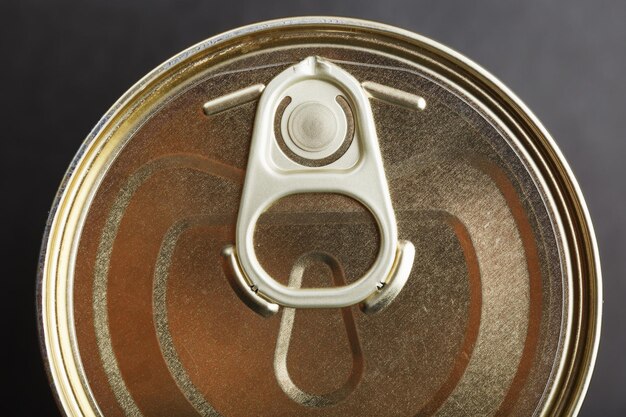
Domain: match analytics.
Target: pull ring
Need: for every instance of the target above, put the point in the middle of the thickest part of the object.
(314, 125)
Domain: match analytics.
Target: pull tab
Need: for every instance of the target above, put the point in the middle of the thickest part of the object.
(327, 120)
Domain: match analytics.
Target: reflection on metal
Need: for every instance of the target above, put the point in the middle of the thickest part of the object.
(284, 337)
(161, 322)
(244, 290)
(237, 98)
(399, 274)
(394, 96)
(105, 251)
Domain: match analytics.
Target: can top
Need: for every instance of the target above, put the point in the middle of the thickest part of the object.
(319, 216)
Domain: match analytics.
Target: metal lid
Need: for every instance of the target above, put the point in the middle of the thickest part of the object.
(316, 217)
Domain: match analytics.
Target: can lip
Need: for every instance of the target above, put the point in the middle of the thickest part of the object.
(492, 84)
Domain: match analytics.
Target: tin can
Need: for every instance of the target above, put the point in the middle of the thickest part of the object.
(315, 217)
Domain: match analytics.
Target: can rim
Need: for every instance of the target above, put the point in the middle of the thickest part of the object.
(53, 357)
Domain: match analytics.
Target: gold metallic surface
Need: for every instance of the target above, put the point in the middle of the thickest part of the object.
(498, 316)
(281, 369)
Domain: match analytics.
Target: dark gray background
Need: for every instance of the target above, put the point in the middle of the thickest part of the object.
(65, 62)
